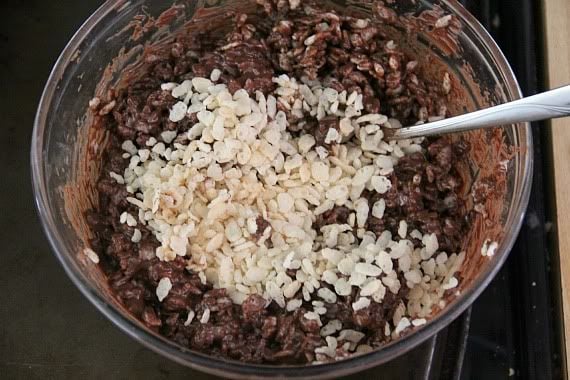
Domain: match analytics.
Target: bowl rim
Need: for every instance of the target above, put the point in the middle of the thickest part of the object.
(234, 368)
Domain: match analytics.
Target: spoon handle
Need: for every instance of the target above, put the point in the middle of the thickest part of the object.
(547, 105)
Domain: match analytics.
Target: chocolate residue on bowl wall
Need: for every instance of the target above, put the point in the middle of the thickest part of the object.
(489, 153)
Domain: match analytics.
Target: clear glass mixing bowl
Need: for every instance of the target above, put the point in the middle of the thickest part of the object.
(62, 176)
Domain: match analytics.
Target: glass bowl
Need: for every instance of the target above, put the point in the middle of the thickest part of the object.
(65, 149)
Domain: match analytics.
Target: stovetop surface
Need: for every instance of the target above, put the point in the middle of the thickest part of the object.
(51, 331)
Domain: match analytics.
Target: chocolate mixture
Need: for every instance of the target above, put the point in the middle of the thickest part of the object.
(346, 54)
